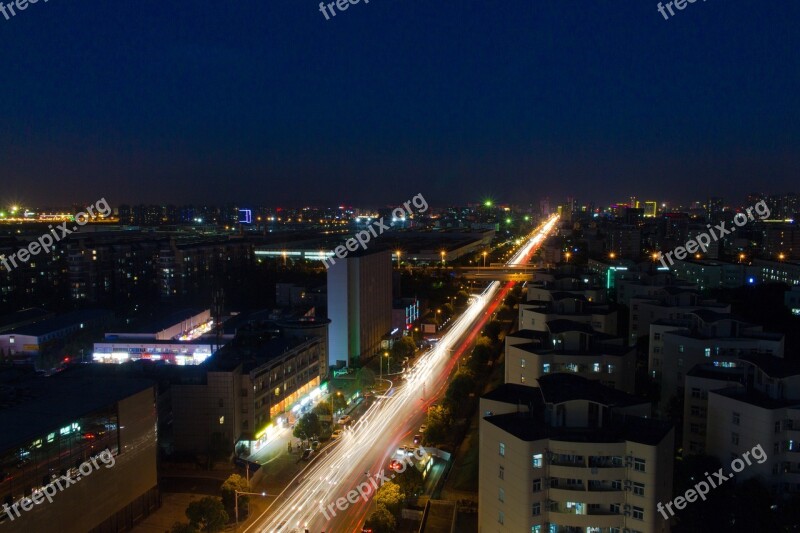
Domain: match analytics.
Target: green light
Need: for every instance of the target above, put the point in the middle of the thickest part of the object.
(488, 203)
(508, 221)
(527, 218)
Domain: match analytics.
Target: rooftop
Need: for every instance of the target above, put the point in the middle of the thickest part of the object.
(37, 406)
(57, 323)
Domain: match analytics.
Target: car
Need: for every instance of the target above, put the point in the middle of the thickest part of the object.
(306, 453)
(417, 439)
(395, 465)
(315, 445)
(423, 428)
(345, 420)
(336, 434)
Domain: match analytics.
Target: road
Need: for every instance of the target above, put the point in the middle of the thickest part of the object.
(363, 452)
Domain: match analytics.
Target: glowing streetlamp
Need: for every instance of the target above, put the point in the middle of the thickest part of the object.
(484, 258)
(398, 258)
(781, 256)
(442, 253)
(567, 256)
(612, 255)
(741, 257)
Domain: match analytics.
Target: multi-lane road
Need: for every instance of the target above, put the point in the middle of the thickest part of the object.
(364, 450)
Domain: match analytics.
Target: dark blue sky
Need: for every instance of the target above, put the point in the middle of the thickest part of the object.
(267, 102)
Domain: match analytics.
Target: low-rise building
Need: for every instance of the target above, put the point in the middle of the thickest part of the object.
(47, 443)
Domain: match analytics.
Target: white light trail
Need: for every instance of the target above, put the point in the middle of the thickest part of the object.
(319, 485)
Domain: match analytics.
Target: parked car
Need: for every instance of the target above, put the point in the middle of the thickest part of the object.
(306, 454)
(336, 434)
(315, 445)
(345, 420)
(423, 428)
(417, 439)
(395, 465)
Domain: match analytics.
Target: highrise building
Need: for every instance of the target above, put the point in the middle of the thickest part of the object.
(359, 305)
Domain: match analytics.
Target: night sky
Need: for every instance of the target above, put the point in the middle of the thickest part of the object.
(267, 102)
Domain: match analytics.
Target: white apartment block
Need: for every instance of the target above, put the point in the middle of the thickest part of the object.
(672, 304)
(573, 348)
(569, 456)
(765, 412)
(703, 337)
(701, 380)
(567, 306)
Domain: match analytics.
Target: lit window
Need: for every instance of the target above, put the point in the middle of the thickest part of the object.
(537, 460)
(502, 450)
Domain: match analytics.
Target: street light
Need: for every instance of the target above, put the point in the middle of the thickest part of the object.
(442, 254)
(380, 364)
(243, 493)
(398, 258)
(612, 255)
(741, 257)
(567, 255)
(484, 259)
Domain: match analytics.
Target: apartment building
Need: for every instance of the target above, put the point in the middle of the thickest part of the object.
(671, 303)
(571, 455)
(765, 412)
(703, 337)
(570, 347)
(701, 380)
(567, 306)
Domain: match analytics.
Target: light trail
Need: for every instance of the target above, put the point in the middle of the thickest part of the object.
(332, 476)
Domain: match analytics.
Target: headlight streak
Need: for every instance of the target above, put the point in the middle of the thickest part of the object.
(301, 510)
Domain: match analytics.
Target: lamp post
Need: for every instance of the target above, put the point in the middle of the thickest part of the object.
(236, 503)
(398, 259)
(442, 254)
(484, 259)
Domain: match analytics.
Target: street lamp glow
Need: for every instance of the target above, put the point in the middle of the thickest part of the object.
(488, 203)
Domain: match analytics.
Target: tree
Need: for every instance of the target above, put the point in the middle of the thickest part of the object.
(365, 378)
(403, 347)
(381, 521)
(391, 497)
(457, 395)
(322, 409)
(410, 481)
(481, 355)
(233, 483)
(439, 425)
(493, 330)
(207, 514)
(181, 527)
(448, 310)
(307, 426)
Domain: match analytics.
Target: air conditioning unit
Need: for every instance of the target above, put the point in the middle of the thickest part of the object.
(627, 484)
(627, 508)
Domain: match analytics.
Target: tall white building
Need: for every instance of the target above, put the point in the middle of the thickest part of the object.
(571, 455)
(359, 305)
